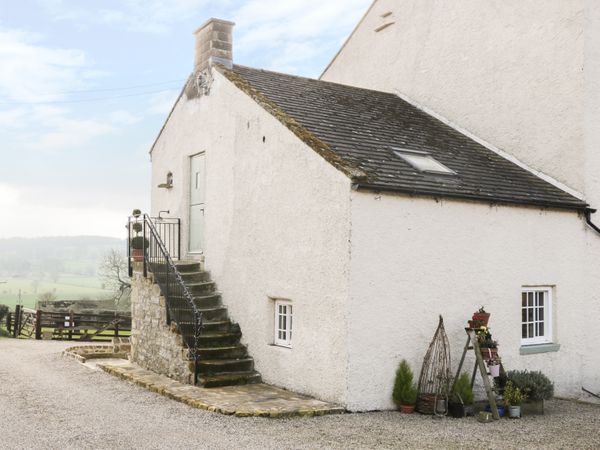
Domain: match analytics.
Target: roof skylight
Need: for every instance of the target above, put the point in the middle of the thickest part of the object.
(423, 161)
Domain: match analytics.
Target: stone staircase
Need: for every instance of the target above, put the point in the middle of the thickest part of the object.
(223, 360)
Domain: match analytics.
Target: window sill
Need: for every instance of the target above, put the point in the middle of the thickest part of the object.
(288, 347)
(538, 348)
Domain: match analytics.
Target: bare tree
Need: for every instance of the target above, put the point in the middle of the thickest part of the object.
(47, 297)
(113, 273)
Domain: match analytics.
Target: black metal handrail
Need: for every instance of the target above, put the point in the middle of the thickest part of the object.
(179, 301)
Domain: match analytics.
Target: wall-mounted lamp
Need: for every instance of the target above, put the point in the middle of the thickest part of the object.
(169, 183)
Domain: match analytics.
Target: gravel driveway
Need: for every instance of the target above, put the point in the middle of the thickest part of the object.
(48, 401)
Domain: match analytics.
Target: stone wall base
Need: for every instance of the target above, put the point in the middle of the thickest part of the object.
(155, 345)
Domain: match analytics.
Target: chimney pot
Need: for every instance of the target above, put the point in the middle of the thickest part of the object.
(214, 44)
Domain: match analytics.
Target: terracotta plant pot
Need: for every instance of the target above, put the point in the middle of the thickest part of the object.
(407, 409)
(489, 353)
(484, 317)
(474, 324)
(138, 254)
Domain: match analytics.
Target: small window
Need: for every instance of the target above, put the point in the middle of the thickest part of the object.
(423, 161)
(283, 323)
(536, 316)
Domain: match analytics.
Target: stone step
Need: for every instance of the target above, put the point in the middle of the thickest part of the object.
(201, 301)
(182, 267)
(201, 287)
(188, 266)
(229, 379)
(224, 352)
(187, 277)
(214, 339)
(218, 366)
(211, 313)
(210, 326)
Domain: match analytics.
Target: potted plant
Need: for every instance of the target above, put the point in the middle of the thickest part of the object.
(474, 324)
(461, 400)
(487, 345)
(494, 366)
(513, 397)
(138, 243)
(499, 407)
(405, 390)
(535, 386)
(481, 315)
(136, 213)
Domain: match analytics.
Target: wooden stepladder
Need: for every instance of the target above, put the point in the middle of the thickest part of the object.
(473, 344)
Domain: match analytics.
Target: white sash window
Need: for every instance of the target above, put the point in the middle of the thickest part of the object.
(536, 316)
(283, 323)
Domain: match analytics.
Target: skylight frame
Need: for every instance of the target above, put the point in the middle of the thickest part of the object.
(411, 157)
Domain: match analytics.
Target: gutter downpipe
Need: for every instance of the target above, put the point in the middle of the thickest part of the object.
(588, 219)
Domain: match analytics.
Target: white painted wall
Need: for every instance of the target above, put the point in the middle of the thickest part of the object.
(509, 71)
(592, 102)
(415, 258)
(277, 218)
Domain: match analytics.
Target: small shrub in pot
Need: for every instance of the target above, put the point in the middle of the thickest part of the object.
(405, 391)
(536, 386)
(461, 401)
(513, 397)
(139, 242)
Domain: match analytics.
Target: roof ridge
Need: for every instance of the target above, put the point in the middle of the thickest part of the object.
(317, 80)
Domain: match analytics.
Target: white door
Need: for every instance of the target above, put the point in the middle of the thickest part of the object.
(197, 190)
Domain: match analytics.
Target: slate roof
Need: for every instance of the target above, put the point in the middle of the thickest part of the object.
(361, 127)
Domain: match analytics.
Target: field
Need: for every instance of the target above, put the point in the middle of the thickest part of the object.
(67, 287)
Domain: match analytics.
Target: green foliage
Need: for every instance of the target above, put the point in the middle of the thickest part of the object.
(513, 396)
(139, 242)
(405, 391)
(136, 213)
(535, 385)
(137, 227)
(463, 392)
(3, 312)
(484, 336)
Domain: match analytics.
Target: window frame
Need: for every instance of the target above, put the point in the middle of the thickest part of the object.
(406, 156)
(288, 326)
(547, 337)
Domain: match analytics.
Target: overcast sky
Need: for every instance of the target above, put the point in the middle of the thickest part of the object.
(86, 85)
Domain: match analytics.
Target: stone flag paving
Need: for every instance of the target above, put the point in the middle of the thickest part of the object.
(260, 400)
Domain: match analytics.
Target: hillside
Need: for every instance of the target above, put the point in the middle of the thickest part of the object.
(65, 266)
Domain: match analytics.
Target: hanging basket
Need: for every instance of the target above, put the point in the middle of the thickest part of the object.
(434, 380)
(494, 370)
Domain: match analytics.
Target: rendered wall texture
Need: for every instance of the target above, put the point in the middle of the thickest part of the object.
(510, 72)
(415, 258)
(277, 226)
(592, 103)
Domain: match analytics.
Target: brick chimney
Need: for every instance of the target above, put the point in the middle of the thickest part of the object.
(214, 44)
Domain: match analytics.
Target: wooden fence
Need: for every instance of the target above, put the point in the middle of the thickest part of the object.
(38, 324)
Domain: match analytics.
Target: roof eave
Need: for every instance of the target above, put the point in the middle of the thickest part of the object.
(575, 206)
(169, 115)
